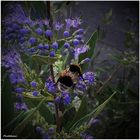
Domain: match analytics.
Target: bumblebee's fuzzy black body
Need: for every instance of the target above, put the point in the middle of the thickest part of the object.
(69, 77)
(66, 80)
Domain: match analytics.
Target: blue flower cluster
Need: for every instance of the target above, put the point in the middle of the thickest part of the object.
(38, 37)
(89, 79)
(64, 98)
(45, 135)
(12, 62)
(51, 86)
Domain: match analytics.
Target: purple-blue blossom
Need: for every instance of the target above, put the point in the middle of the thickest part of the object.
(52, 54)
(49, 33)
(39, 31)
(21, 106)
(50, 85)
(32, 40)
(76, 42)
(66, 45)
(76, 22)
(58, 26)
(66, 33)
(35, 93)
(19, 90)
(40, 46)
(80, 50)
(24, 31)
(79, 31)
(89, 78)
(33, 84)
(55, 45)
(46, 46)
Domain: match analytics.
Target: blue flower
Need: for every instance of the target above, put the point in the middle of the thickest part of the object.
(79, 37)
(76, 42)
(49, 33)
(35, 93)
(52, 54)
(58, 99)
(32, 50)
(21, 106)
(79, 31)
(33, 84)
(24, 31)
(66, 34)
(68, 23)
(58, 26)
(32, 40)
(86, 60)
(67, 99)
(66, 45)
(46, 46)
(19, 90)
(51, 87)
(39, 129)
(76, 22)
(80, 50)
(55, 45)
(39, 31)
(51, 130)
(40, 46)
(12, 61)
(89, 78)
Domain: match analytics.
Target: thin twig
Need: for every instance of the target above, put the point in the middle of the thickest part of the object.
(108, 80)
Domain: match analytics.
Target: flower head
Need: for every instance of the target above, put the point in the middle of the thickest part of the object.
(49, 33)
(46, 46)
(19, 90)
(35, 93)
(58, 26)
(39, 31)
(52, 54)
(76, 42)
(66, 33)
(32, 40)
(50, 85)
(66, 45)
(40, 46)
(21, 106)
(33, 84)
(55, 45)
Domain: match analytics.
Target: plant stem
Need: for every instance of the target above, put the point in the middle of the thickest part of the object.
(58, 121)
(108, 80)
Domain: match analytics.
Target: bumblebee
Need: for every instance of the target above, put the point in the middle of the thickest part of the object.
(69, 77)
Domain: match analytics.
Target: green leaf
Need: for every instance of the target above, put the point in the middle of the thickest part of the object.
(91, 42)
(93, 114)
(82, 111)
(47, 114)
(68, 116)
(15, 120)
(41, 60)
(48, 97)
(20, 127)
